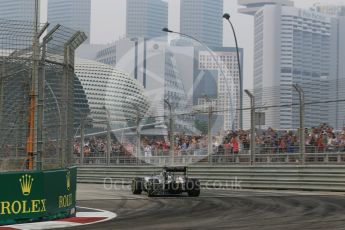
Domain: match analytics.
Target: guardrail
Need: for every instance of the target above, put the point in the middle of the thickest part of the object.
(295, 177)
(267, 158)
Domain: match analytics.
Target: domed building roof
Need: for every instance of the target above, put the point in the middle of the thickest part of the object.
(109, 90)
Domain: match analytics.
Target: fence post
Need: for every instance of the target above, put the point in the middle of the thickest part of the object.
(326, 158)
(252, 126)
(171, 129)
(108, 136)
(138, 134)
(82, 143)
(209, 136)
(301, 121)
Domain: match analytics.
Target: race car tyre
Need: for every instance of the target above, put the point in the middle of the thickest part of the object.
(136, 186)
(151, 187)
(193, 187)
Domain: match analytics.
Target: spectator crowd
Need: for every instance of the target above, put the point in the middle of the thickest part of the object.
(322, 138)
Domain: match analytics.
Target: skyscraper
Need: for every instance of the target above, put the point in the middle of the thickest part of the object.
(213, 78)
(252, 6)
(146, 18)
(334, 10)
(74, 14)
(202, 19)
(223, 85)
(296, 46)
(23, 10)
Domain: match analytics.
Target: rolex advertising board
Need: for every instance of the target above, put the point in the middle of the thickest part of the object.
(37, 195)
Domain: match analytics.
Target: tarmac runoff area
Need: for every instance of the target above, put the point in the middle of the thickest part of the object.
(214, 209)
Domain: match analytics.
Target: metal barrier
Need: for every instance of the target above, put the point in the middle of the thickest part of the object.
(262, 149)
(264, 154)
(272, 158)
(154, 160)
(307, 177)
(232, 158)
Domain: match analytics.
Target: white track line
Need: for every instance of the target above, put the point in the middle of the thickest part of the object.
(43, 225)
(65, 224)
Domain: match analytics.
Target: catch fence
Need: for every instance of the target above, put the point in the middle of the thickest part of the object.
(36, 95)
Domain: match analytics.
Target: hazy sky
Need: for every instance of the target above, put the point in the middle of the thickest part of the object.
(108, 23)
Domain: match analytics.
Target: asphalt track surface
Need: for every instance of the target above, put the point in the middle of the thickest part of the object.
(218, 209)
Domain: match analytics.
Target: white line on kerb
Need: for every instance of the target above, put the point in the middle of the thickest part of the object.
(64, 224)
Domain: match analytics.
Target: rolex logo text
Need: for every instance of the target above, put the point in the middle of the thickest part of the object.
(23, 206)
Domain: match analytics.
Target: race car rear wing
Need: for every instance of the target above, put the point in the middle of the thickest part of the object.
(175, 169)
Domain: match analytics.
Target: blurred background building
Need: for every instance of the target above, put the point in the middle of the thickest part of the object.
(202, 20)
(22, 10)
(295, 46)
(153, 65)
(253, 6)
(333, 10)
(219, 75)
(110, 90)
(146, 18)
(74, 14)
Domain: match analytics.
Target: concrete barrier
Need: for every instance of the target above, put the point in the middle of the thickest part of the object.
(309, 177)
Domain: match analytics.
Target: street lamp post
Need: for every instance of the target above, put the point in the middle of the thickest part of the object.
(227, 17)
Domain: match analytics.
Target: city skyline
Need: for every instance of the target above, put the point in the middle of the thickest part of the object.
(112, 14)
(248, 77)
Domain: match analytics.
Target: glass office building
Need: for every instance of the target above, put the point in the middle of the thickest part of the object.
(297, 46)
(334, 10)
(74, 14)
(146, 18)
(23, 10)
(203, 20)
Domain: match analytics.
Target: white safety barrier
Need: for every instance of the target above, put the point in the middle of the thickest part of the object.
(295, 177)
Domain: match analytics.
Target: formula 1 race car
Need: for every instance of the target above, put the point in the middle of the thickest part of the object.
(170, 181)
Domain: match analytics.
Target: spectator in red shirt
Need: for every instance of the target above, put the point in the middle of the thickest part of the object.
(319, 144)
(227, 147)
(235, 145)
